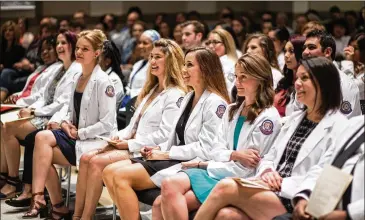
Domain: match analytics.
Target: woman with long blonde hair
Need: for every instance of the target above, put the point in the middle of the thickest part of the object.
(192, 135)
(157, 106)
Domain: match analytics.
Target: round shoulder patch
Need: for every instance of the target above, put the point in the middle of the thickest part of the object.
(178, 102)
(267, 127)
(109, 91)
(346, 107)
(220, 111)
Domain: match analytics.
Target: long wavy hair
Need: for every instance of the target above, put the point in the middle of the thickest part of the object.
(211, 70)
(258, 68)
(174, 61)
(267, 46)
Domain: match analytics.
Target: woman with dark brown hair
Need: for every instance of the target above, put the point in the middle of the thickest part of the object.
(201, 112)
(304, 144)
(247, 132)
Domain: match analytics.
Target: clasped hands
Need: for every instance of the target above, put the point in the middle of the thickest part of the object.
(154, 153)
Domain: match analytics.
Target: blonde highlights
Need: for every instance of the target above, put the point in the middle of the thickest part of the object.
(95, 37)
(258, 68)
(174, 61)
(228, 43)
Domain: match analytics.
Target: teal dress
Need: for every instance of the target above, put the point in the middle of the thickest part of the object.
(201, 182)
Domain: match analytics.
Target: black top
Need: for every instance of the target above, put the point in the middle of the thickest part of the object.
(293, 147)
(9, 57)
(180, 127)
(77, 106)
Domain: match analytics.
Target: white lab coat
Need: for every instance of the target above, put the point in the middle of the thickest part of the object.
(97, 112)
(39, 85)
(228, 70)
(356, 207)
(316, 150)
(276, 76)
(139, 78)
(251, 136)
(200, 131)
(118, 86)
(155, 124)
(350, 95)
(62, 93)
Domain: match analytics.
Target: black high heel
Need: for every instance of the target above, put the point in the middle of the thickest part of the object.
(13, 181)
(60, 215)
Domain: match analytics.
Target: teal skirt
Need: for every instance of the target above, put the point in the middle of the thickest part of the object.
(201, 183)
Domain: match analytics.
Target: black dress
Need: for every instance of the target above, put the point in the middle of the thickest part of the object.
(153, 166)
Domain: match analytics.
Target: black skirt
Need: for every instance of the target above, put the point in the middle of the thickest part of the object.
(66, 145)
(153, 166)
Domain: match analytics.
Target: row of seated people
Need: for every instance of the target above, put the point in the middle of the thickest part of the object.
(171, 127)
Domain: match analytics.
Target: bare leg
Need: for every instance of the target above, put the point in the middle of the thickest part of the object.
(10, 134)
(128, 179)
(110, 171)
(231, 213)
(251, 201)
(173, 202)
(156, 209)
(3, 164)
(95, 171)
(3, 96)
(82, 182)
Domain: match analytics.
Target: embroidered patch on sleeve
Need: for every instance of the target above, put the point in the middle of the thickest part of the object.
(178, 103)
(346, 107)
(109, 91)
(267, 127)
(220, 111)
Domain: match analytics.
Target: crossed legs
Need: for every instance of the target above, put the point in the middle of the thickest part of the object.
(253, 203)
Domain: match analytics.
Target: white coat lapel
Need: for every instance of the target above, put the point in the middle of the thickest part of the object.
(86, 96)
(197, 108)
(232, 127)
(154, 101)
(312, 140)
(289, 129)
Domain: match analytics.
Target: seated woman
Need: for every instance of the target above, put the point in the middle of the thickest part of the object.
(263, 45)
(304, 144)
(138, 75)
(284, 99)
(91, 112)
(247, 132)
(36, 81)
(56, 94)
(192, 136)
(221, 42)
(157, 107)
(110, 63)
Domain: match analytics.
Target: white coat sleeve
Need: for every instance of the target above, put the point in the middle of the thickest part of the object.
(259, 139)
(356, 210)
(170, 111)
(202, 147)
(107, 114)
(29, 100)
(57, 104)
(290, 185)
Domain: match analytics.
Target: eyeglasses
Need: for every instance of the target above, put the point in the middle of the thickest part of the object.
(214, 42)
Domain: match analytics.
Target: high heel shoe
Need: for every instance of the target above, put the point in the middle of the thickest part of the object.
(61, 215)
(36, 208)
(3, 177)
(13, 181)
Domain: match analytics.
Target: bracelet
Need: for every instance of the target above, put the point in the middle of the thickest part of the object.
(199, 164)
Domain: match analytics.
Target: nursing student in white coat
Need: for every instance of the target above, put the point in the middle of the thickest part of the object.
(192, 136)
(349, 157)
(56, 94)
(91, 112)
(110, 62)
(221, 42)
(263, 45)
(138, 76)
(157, 107)
(321, 44)
(247, 132)
(304, 144)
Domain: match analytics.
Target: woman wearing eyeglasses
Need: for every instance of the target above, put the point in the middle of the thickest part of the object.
(222, 43)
